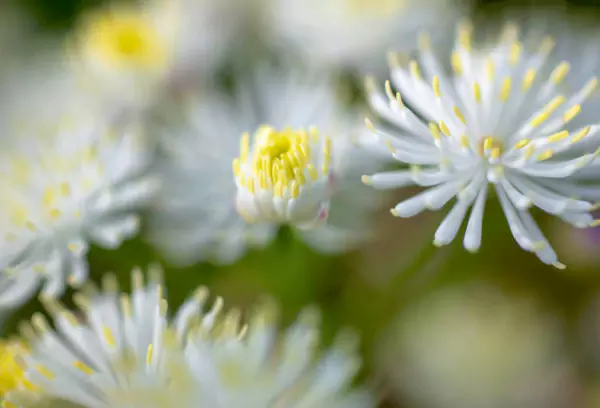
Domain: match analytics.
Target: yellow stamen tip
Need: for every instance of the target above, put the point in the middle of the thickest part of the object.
(545, 155)
(436, 86)
(572, 113)
(560, 72)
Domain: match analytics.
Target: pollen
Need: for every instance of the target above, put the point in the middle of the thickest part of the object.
(124, 38)
(490, 146)
(12, 375)
(282, 161)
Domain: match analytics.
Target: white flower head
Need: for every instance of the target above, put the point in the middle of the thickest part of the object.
(305, 176)
(67, 181)
(353, 33)
(493, 120)
(127, 351)
(476, 347)
(131, 54)
(284, 177)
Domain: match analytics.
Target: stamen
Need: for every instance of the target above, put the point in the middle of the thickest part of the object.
(545, 155)
(581, 134)
(528, 80)
(571, 113)
(505, 91)
(414, 70)
(548, 110)
(560, 72)
(459, 115)
(515, 53)
(557, 137)
(490, 69)
(465, 29)
(435, 131)
(477, 92)
(444, 128)
(457, 65)
(436, 86)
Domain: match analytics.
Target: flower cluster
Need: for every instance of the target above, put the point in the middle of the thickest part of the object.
(125, 350)
(211, 125)
(499, 118)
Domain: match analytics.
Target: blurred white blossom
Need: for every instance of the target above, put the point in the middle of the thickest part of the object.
(284, 176)
(195, 215)
(494, 120)
(130, 55)
(475, 347)
(69, 174)
(129, 352)
(337, 34)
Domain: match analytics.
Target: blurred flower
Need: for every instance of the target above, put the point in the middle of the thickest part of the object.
(354, 33)
(195, 215)
(131, 54)
(475, 347)
(491, 121)
(284, 177)
(68, 175)
(129, 353)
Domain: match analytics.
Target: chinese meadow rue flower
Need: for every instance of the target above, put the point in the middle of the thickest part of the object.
(494, 120)
(299, 168)
(125, 350)
(353, 33)
(132, 54)
(284, 177)
(66, 181)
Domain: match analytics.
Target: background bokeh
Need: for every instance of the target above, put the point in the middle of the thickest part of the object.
(370, 289)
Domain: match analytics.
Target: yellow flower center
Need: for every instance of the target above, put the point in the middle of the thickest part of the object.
(490, 147)
(126, 38)
(380, 8)
(281, 160)
(281, 155)
(12, 375)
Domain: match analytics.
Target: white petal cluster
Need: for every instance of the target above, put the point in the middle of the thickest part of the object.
(69, 177)
(284, 177)
(124, 351)
(353, 33)
(196, 214)
(496, 121)
(130, 55)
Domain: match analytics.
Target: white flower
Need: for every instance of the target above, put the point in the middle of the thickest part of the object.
(475, 347)
(492, 120)
(130, 55)
(284, 177)
(195, 216)
(65, 180)
(353, 33)
(128, 352)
